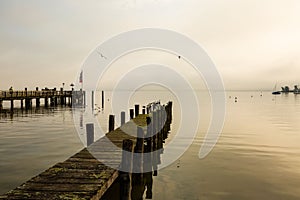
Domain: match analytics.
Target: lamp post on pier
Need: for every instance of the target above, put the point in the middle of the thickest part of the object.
(72, 86)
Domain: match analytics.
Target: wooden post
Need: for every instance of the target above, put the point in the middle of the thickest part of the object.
(169, 115)
(139, 148)
(46, 102)
(137, 110)
(11, 105)
(122, 118)
(125, 169)
(140, 140)
(154, 133)
(147, 176)
(51, 101)
(37, 102)
(102, 96)
(154, 143)
(21, 103)
(61, 96)
(126, 158)
(92, 100)
(84, 102)
(27, 103)
(170, 104)
(131, 111)
(55, 101)
(137, 190)
(89, 134)
(149, 133)
(158, 131)
(111, 123)
(148, 148)
(164, 125)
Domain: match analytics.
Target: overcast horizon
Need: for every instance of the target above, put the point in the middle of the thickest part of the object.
(254, 44)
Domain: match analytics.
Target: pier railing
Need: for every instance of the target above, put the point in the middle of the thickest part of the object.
(34, 94)
(53, 97)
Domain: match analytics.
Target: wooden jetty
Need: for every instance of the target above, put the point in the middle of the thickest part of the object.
(82, 176)
(51, 97)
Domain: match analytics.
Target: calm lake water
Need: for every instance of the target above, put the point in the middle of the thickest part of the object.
(257, 155)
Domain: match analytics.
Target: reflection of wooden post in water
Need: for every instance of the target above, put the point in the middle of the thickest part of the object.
(159, 136)
(84, 101)
(131, 111)
(169, 117)
(51, 101)
(46, 102)
(125, 169)
(167, 121)
(65, 100)
(81, 120)
(147, 176)
(111, 123)
(138, 186)
(122, 118)
(89, 134)
(161, 125)
(92, 100)
(28, 103)
(21, 101)
(12, 105)
(154, 140)
(1, 105)
(62, 97)
(102, 96)
(37, 102)
(55, 101)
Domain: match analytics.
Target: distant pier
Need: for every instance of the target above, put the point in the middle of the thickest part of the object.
(50, 97)
(82, 176)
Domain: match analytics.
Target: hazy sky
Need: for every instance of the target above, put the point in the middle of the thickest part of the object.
(254, 43)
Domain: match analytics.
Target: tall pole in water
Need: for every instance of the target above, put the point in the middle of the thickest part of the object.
(92, 100)
(102, 99)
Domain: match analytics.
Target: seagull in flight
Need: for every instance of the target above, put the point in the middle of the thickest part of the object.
(102, 56)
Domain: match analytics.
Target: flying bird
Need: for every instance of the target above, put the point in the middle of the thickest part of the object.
(102, 56)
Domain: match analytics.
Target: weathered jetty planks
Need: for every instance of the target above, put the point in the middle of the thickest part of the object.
(82, 176)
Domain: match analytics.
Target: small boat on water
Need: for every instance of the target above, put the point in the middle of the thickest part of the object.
(275, 92)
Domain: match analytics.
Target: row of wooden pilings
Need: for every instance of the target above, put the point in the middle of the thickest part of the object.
(145, 156)
(138, 162)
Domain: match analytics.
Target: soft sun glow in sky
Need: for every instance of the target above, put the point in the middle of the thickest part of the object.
(254, 43)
